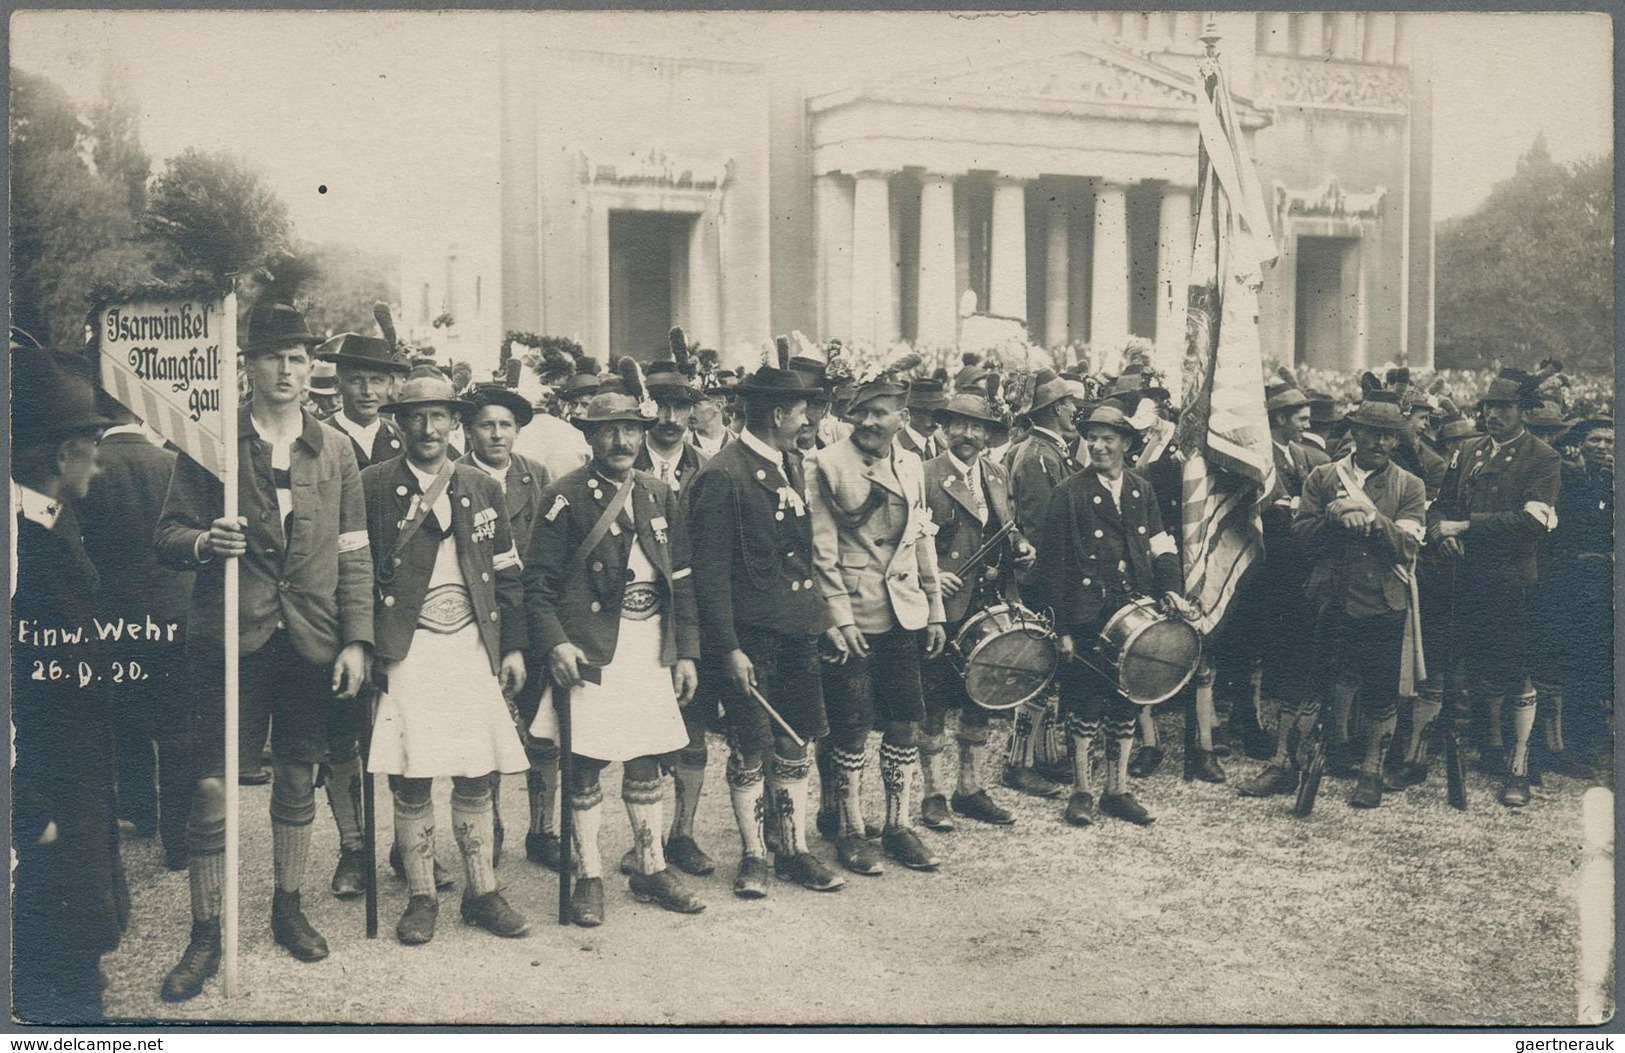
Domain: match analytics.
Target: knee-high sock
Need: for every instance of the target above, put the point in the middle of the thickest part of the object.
(1119, 743)
(931, 760)
(1343, 696)
(344, 798)
(689, 776)
(745, 792)
(1424, 711)
(897, 765)
(1286, 723)
(1523, 722)
(1551, 717)
(972, 748)
(1148, 727)
(848, 766)
(829, 797)
(1379, 732)
(1492, 717)
(643, 800)
(1082, 734)
(787, 779)
(1203, 711)
(414, 832)
(206, 865)
(292, 814)
(1029, 727)
(587, 816)
(542, 786)
(473, 821)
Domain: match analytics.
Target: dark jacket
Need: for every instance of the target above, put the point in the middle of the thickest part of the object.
(578, 600)
(485, 552)
(1357, 574)
(318, 583)
(522, 493)
(1037, 467)
(932, 449)
(959, 532)
(120, 518)
(1503, 495)
(386, 444)
(1093, 558)
(690, 461)
(753, 562)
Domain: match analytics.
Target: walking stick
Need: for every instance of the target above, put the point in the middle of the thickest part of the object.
(369, 820)
(1455, 766)
(561, 705)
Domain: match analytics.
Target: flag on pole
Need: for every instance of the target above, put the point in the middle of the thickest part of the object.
(1223, 434)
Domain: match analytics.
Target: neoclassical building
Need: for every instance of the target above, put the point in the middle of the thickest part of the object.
(1052, 182)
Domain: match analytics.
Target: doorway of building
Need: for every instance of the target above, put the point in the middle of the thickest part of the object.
(648, 279)
(1328, 302)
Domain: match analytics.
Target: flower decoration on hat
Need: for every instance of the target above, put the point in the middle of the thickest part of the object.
(838, 367)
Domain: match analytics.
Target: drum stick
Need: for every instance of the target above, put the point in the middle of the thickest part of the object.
(988, 546)
(780, 721)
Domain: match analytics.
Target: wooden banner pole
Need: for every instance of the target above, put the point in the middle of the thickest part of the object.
(228, 481)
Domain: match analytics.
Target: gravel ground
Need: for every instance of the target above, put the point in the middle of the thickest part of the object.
(1226, 911)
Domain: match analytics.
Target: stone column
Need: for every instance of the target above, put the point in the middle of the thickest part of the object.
(1346, 42)
(1173, 266)
(832, 201)
(598, 290)
(1007, 285)
(1057, 272)
(938, 322)
(1108, 300)
(705, 279)
(1379, 37)
(871, 259)
(1311, 35)
(1277, 32)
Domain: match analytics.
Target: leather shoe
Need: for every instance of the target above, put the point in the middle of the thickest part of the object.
(417, 921)
(981, 807)
(1367, 791)
(1515, 793)
(1274, 779)
(587, 902)
(545, 849)
(492, 913)
(662, 887)
(199, 961)
(751, 881)
(1124, 806)
(350, 876)
(934, 813)
(1027, 781)
(292, 930)
(442, 880)
(1146, 760)
(829, 827)
(808, 871)
(905, 846)
(690, 858)
(1080, 810)
(1205, 766)
(1401, 777)
(859, 856)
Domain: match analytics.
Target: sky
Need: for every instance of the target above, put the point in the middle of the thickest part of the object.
(395, 113)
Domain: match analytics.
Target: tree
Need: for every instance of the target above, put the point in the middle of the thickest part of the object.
(1529, 275)
(347, 282)
(218, 215)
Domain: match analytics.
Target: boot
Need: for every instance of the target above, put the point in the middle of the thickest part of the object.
(417, 921)
(587, 902)
(199, 961)
(290, 928)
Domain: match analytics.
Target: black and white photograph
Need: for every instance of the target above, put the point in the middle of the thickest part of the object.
(803, 519)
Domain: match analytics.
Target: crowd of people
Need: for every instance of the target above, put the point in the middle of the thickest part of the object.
(444, 579)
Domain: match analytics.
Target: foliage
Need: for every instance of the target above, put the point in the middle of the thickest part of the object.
(540, 343)
(1530, 274)
(342, 284)
(218, 215)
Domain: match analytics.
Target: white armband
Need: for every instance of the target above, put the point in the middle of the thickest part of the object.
(1162, 544)
(352, 541)
(679, 575)
(1544, 513)
(507, 559)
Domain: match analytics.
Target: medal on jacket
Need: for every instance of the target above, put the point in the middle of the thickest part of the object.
(658, 524)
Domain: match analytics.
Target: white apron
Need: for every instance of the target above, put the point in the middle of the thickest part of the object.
(634, 712)
(444, 713)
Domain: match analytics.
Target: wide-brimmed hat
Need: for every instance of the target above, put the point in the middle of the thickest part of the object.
(1322, 407)
(324, 378)
(362, 352)
(427, 391)
(1112, 416)
(1511, 385)
(926, 396)
(778, 385)
(877, 388)
(612, 407)
(1460, 428)
(971, 407)
(665, 381)
(1048, 389)
(48, 403)
(1546, 418)
(1135, 381)
(579, 385)
(1577, 434)
(1287, 398)
(501, 395)
(1380, 410)
(273, 326)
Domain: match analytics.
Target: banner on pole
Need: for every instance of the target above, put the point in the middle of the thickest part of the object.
(161, 357)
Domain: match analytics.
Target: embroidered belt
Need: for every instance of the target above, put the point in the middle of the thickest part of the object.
(446, 609)
(641, 601)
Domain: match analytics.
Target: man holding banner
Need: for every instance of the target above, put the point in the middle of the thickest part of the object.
(306, 624)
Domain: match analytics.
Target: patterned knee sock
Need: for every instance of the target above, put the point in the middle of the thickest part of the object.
(1082, 734)
(972, 748)
(1029, 727)
(897, 765)
(931, 750)
(542, 786)
(745, 791)
(473, 821)
(292, 815)
(414, 832)
(849, 788)
(689, 775)
(344, 798)
(643, 800)
(206, 866)
(1523, 722)
(587, 816)
(787, 780)
(1119, 744)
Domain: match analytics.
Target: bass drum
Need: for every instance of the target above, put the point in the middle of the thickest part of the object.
(1007, 655)
(1154, 655)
